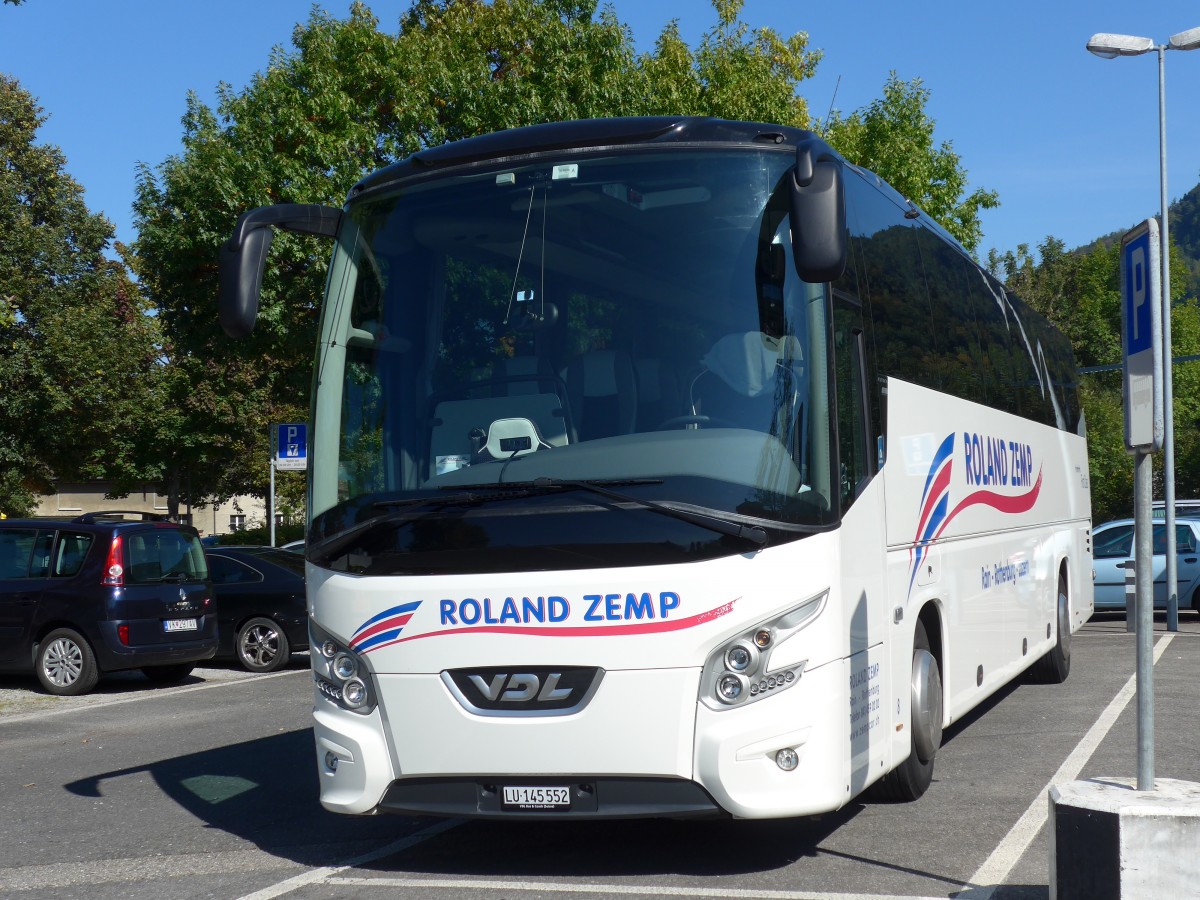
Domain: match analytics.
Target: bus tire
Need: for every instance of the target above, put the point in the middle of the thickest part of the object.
(1055, 666)
(912, 778)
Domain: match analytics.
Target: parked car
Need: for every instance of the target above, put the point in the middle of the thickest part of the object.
(262, 608)
(294, 546)
(100, 593)
(1112, 545)
(1183, 509)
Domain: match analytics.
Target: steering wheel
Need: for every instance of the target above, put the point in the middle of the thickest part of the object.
(699, 421)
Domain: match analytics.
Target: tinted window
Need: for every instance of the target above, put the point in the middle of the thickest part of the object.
(293, 562)
(229, 571)
(1114, 542)
(853, 450)
(164, 552)
(16, 550)
(961, 367)
(892, 283)
(72, 551)
(1185, 539)
(39, 566)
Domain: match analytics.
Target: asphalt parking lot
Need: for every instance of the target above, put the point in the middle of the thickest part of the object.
(208, 789)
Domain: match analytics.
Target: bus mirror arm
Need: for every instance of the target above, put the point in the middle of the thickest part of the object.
(819, 236)
(243, 256)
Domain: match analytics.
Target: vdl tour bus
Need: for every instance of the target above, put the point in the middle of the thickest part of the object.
(666, 467)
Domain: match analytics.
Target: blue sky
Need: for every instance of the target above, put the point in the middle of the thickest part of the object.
(1068, 140)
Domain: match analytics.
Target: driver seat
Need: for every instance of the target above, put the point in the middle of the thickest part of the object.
(602, 394)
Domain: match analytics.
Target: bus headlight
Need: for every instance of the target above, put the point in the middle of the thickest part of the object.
(354, 693)
(341, 675)
(730, 688)
(740, 671)
(741, 658)
(344, 666)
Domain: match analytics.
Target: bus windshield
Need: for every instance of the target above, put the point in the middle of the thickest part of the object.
(497, 345)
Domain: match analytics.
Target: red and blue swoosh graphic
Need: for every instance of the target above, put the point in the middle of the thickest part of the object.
(382, 629)
(935, 513)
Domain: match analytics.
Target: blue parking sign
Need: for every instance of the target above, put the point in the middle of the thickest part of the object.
(290, 445)
(1141, 337)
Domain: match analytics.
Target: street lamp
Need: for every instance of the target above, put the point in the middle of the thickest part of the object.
(1110, 46)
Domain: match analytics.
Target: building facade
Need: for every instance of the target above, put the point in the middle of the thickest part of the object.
(77, 498)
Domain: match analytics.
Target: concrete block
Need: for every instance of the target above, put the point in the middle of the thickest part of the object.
(1110, 841)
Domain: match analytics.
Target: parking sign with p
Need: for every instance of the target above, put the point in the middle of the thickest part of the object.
(1141, 337)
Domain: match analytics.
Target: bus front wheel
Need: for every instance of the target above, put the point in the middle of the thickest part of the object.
(912, 778)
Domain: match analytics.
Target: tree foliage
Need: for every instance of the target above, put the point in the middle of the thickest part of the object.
(893, 137)
(1080, 292)
(78, 354)
(348, 98)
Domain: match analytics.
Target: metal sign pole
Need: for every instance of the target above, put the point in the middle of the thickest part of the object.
(271, 511)
(271, 493)
(1143, 487)
(1141, 339)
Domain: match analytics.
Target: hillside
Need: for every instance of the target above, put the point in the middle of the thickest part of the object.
(1184, 233)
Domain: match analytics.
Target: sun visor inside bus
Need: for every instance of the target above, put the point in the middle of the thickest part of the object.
(818, 213)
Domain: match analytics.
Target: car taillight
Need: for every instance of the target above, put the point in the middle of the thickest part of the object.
(123, 634)
(114, 571)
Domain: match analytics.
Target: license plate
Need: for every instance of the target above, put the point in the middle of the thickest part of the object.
(537, 797)
(179, 625)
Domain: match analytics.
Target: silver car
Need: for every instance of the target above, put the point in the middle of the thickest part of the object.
(1113, 546)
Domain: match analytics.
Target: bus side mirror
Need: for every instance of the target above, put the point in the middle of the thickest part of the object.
(243, 256)
(819, 236)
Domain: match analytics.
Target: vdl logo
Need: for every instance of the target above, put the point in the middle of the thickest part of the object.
(530, 691)
(519, 687)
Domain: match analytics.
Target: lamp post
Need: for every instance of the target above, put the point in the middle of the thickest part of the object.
(1110, 46)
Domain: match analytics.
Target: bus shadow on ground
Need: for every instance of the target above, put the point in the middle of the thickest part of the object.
(265, 791)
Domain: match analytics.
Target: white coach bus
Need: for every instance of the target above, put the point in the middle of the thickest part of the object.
(667, 467)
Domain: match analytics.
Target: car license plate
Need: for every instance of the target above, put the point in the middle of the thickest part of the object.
(537, 797)
(179, 625)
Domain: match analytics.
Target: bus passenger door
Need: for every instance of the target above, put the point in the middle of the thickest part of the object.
(863, 559)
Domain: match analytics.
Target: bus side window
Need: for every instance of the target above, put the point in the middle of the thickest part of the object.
(854, 456)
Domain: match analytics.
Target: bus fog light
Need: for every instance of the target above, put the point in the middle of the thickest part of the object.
(329, 649)
(787, 759)
(354, 693)
(730, 688)
(344, 666)
(331, 761)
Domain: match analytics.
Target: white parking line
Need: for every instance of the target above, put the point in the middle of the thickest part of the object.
(667, 890)
(323, 874)
(1009, 851)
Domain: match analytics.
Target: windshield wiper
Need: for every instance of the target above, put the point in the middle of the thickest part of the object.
(712, 519)
(414, 507)
(410, 508)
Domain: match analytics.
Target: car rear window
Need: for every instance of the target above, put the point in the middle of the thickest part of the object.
(285, 559)
(164, 553)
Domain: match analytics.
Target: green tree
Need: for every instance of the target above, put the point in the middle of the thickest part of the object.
(1080, 292)
(78, 355)
(735, 73)
(348, 99)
